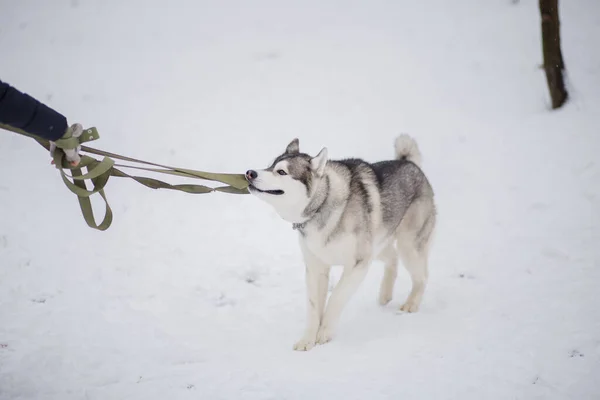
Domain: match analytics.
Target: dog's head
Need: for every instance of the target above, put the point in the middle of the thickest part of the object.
(289, 182)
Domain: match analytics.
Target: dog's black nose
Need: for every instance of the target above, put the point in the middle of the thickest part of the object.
(251, 174)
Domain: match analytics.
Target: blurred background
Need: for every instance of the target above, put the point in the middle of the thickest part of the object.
(202, 296)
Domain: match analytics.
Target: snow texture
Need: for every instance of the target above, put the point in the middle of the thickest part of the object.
(202, 296)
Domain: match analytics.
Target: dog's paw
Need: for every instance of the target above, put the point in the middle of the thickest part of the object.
(384, 298)
(324, 335)
(304, 344)
(410, 307)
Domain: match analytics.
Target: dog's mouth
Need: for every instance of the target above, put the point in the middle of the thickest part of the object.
(273, 192)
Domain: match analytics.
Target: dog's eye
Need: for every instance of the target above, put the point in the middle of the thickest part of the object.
(281, 172)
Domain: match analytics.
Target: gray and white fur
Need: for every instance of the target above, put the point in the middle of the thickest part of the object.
(349, 213)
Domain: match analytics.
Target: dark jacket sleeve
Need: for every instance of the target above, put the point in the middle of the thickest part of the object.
(22, 111)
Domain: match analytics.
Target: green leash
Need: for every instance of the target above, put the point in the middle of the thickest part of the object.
(98, 172)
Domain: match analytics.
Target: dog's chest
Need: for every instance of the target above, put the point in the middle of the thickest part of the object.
(345, 248)
(338, 250)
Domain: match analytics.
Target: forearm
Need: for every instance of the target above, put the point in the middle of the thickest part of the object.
(22, 111)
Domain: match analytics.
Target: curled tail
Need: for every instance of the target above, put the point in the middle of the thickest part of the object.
(407, 149)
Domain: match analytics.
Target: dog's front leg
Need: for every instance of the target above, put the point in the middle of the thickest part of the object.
(346, 287)
(317, 281)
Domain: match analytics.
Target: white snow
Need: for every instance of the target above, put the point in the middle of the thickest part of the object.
(202, 296)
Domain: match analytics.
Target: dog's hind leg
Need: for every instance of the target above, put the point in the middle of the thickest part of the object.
(390, 258)
(416, 264)
(414, 236)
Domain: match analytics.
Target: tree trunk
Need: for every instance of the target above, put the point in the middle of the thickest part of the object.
(553, 59)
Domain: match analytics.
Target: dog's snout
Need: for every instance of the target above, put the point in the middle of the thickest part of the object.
(251, 174)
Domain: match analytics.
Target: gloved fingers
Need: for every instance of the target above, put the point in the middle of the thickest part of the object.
(73, 156)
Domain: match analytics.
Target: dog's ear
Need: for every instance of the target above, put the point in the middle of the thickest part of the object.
(293, 147)
(318, 162)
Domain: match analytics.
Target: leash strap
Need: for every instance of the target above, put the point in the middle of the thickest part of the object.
(99, 172)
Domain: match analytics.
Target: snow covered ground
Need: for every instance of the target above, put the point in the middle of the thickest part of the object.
(202, 297)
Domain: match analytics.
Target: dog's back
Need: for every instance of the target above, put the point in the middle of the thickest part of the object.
(380, 193)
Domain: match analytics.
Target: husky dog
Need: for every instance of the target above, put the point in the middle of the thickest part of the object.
(349, 213)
